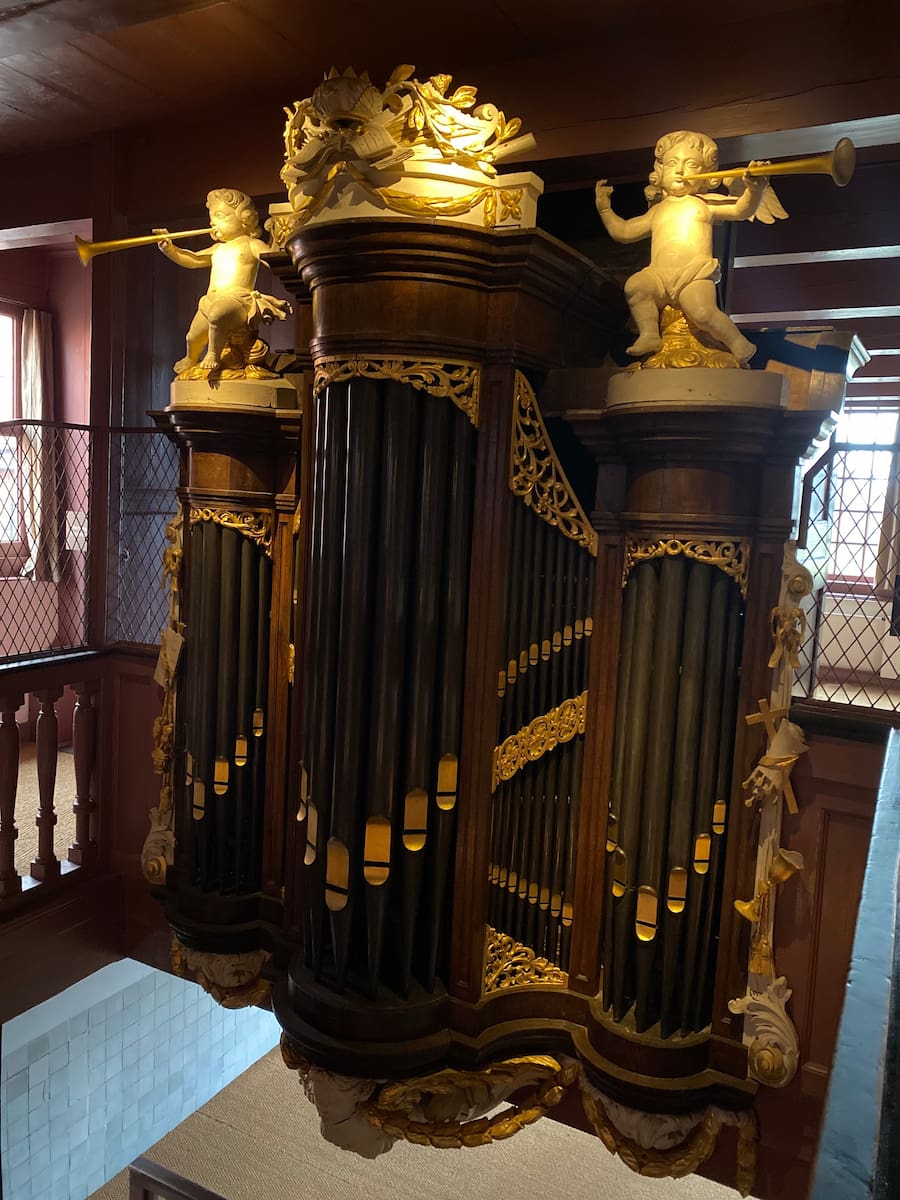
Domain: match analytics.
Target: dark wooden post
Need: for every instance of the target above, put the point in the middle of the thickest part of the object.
(46, 865)
(10, 883)
(83, 849)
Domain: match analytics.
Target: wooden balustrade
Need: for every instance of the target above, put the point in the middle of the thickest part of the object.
(46, 684)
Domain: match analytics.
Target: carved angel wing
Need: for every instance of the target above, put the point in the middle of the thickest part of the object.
(770, 207)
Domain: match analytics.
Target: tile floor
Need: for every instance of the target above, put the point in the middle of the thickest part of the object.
(95, 1076)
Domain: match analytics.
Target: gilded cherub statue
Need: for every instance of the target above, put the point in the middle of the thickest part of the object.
(683, 272)
(228, 316)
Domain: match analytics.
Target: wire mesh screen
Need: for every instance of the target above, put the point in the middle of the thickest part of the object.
(45, 486)
(851, 650)
(144, 476)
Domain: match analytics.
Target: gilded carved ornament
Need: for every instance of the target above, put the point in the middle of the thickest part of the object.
(730, 555)
(536, 475)
(233, 980)
(509, 964)
(457, 381)
(773, 1046)
(539, 737)
(681, 347)
(157, 853)
(257, 526)
(437, 144)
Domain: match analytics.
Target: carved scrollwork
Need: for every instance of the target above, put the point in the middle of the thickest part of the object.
(681, 347)
(456, 380)
(773, 1044)
(539, 737)
(730, 555)
(257, 526)
(536, 474)
(509, 964)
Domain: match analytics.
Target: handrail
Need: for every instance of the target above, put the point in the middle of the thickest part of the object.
(148, 1180)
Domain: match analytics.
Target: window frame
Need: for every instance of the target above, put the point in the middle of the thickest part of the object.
(14, 554)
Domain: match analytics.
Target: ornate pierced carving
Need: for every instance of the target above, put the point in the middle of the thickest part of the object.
(774, 1047)
(257, 526)
(279, 228)
(730, 555)
(536, 474)
(509, 964)
(447, 1098)
(682, 348)
(457, 380)
(540, 736)
(233, 980)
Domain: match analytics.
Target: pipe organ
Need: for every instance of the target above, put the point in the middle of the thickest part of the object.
(458, 755)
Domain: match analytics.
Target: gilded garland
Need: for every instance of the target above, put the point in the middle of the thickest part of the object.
(458, 381)
(539, 737)
(536, 474)
(509, 964)
(731, 556)
(257, 526)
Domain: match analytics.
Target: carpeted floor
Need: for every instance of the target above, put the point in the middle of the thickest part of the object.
(28, 802)
(258, 1139)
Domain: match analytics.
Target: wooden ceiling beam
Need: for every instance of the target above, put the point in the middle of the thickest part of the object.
(826, 285)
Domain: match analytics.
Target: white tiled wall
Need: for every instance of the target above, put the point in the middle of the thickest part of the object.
(98, 1074)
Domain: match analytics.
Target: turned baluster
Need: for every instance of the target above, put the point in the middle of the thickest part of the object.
(84, 744)
(10, 883)
(46, 865)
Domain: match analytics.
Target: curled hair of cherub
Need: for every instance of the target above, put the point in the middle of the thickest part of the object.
(242, 205)
(704, 145)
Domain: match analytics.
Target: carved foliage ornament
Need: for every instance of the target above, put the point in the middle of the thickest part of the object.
(543, 734)
(731, 556)
(458, 381)
(682, 347)
(233, 980)
(774, 1051)
(509, 964)
(536, 474)
(349, 130)
(257, 526)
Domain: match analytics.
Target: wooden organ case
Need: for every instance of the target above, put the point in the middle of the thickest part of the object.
(458, 752)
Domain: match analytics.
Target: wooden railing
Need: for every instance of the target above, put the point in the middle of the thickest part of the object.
(149, 1181)
(46, 682)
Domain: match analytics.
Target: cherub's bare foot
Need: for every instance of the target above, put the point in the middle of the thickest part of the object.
(647, 343)
(211, 362)
(743, 350)
(183, 364)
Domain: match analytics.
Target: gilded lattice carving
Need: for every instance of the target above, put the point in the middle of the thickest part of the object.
(536, 474)
(458, 381)
(730, 555)
(538, 738)
(509, 964)
(257, 526)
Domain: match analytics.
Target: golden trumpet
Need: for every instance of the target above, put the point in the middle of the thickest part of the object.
(88, 250)
(839, 164)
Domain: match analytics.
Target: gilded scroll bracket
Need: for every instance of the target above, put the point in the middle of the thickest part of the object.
(536, 475)
(257, 526)
(539, 737)
(455, 379)
(731, 555)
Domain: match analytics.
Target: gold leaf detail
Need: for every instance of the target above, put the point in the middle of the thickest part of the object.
(730, 555)
(509, 964)
(458, 381)
(257, 526)
(543, 734)
(536, 474)
(683, 348)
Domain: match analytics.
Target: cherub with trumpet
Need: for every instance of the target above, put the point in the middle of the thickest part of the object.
(229, 314)
(679, 221)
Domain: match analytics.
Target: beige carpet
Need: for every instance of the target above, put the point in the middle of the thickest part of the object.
(28, 802)
(258, 1139)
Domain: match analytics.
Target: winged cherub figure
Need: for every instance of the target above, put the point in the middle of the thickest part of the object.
(679, 223)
